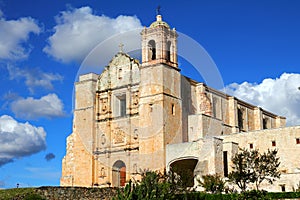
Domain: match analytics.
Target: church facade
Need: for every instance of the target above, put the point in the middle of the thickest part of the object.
(136, 116)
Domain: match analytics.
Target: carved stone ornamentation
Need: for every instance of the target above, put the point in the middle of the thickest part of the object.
(102, 172)
(135, 98)
(135, 134)
(103, 105)
(119, 136)
(103, 139)
(135, 169)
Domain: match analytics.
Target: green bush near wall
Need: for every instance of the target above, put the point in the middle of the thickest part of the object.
(206, 196)
(281, 195)
(251, 195)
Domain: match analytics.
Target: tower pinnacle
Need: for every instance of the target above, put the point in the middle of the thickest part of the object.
(159, 43)
(158, 10)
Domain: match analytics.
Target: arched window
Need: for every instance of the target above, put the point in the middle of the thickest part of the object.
(152, 50)
(168, 51)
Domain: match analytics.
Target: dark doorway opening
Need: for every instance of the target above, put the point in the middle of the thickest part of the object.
(225, 161)
(185, 169)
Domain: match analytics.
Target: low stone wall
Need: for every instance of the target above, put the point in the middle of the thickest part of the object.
(74, 193)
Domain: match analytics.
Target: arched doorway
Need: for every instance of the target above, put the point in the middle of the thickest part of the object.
(185, 169)
(119, 174)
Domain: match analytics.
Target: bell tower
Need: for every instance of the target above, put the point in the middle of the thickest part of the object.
(159, 44)
(160, 95)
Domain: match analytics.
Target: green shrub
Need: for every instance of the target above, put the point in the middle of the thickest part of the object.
(254, 195)
(212, 183)
(282, 195)
(153, 185)
(249, 195)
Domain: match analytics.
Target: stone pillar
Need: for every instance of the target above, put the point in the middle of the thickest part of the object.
(231, 148)
(280, 122)
(218, 155)
(232, 114)
(258, 119)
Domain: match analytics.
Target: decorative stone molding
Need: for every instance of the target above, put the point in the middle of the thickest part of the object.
(118, 136)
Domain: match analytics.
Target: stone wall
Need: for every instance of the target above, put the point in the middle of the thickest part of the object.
(285, 140)
(73, 193)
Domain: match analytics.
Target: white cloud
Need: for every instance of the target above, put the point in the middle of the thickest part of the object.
(10, 96)
(14, 35)
(49, 106)
(34, 77)
(19, 139)
(280, 96)
(78, 31)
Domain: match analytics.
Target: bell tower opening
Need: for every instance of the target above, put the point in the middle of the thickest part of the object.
(159, 44)
(152, 50)
(168, 57)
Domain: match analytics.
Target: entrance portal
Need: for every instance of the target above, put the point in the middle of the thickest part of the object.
(119, 174)
(185, 169)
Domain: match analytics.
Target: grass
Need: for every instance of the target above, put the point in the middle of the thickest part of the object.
(19, 193)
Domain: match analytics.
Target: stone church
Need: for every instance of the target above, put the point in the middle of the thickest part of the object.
(136, 116)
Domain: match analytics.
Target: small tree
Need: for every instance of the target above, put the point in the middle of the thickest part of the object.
(242, 173)
(266, 168)
(212, 183)
(253, 167)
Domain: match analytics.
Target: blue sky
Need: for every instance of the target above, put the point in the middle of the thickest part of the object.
(254, 44)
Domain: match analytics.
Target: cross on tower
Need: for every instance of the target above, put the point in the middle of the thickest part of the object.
(158, 10)
(121, 47)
